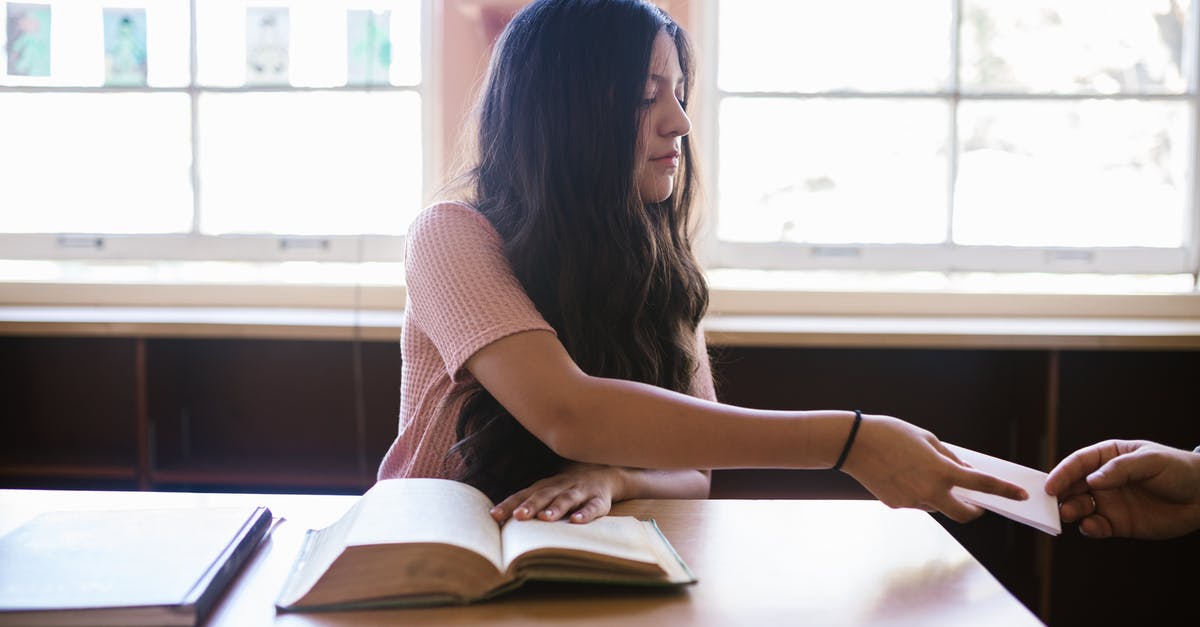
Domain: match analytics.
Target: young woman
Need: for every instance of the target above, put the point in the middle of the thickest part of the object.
(552, 353)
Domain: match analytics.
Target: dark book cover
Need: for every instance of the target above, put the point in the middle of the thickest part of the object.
(162, 567)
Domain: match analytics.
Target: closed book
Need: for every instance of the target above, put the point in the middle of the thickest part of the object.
(129, 567)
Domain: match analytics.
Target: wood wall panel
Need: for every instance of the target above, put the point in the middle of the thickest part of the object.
(266, 415)
(1129, 395)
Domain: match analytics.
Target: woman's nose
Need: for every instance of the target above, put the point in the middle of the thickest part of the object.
(676, 123)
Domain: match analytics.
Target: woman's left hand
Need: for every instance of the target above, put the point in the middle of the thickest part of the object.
(582, 492)
(904, 465)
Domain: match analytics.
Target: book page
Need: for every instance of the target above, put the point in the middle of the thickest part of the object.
(1039, 511)
(427, 510)
(618, 536)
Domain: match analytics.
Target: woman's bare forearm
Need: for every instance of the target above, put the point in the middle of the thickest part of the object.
(617, 422)
(626, 423)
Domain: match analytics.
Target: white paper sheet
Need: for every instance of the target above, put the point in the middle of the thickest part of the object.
(1039, 511)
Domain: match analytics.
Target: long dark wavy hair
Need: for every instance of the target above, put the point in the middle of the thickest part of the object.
(556, 176)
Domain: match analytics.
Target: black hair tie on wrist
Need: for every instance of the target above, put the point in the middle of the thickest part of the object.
(849, 440)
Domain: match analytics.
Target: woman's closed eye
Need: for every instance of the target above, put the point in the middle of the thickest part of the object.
(646, 102)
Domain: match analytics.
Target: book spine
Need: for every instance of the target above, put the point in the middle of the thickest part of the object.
(675, 554)
(230, 561)
(287, 597)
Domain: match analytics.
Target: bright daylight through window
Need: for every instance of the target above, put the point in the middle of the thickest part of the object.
(209, 118)
(942, 135)
(972, 135)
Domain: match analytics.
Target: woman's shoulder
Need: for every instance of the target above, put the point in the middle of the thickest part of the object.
(450, 206)
(449, 211)
(448, 217)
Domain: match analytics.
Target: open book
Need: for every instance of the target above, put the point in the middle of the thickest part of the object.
(432, 541)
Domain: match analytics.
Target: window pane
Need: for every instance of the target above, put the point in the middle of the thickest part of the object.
(1087, 173)
(1074, 46)
(121, 167)
(833, 171)
(406, 41)
(77, 43)
(316, 40)
(310, 162)
(784, 45)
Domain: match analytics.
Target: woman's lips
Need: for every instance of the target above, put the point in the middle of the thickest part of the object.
(670, 158)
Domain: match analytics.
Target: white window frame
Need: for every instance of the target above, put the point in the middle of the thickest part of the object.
(195, 246)
(945, 257)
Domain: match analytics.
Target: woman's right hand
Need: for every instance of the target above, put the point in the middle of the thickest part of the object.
(906, 466)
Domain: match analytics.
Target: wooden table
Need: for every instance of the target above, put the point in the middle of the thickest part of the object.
(759, 563)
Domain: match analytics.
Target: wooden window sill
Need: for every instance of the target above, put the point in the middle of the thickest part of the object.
(332, 301)
(991, 332)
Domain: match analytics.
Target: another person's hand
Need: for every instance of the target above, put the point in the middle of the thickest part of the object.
(581, 493)
(906, 466)
(1129, 488)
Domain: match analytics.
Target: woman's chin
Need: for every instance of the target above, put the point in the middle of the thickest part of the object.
(658, 194)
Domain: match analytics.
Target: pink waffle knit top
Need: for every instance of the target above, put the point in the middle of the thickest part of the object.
(462, 296)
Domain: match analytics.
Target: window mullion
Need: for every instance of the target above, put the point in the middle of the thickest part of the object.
(709, 244)
(952, 138)
(194, 97)
(433, 151)
(1191, 56)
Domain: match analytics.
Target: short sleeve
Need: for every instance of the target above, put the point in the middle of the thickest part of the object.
(462, 293)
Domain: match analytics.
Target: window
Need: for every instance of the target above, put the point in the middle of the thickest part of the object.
(211, 129)
(1052, 135)
(987, 135)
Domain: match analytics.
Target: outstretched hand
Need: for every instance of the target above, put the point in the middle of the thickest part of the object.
(582, 493)
(906, 466)
(1129, 488)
